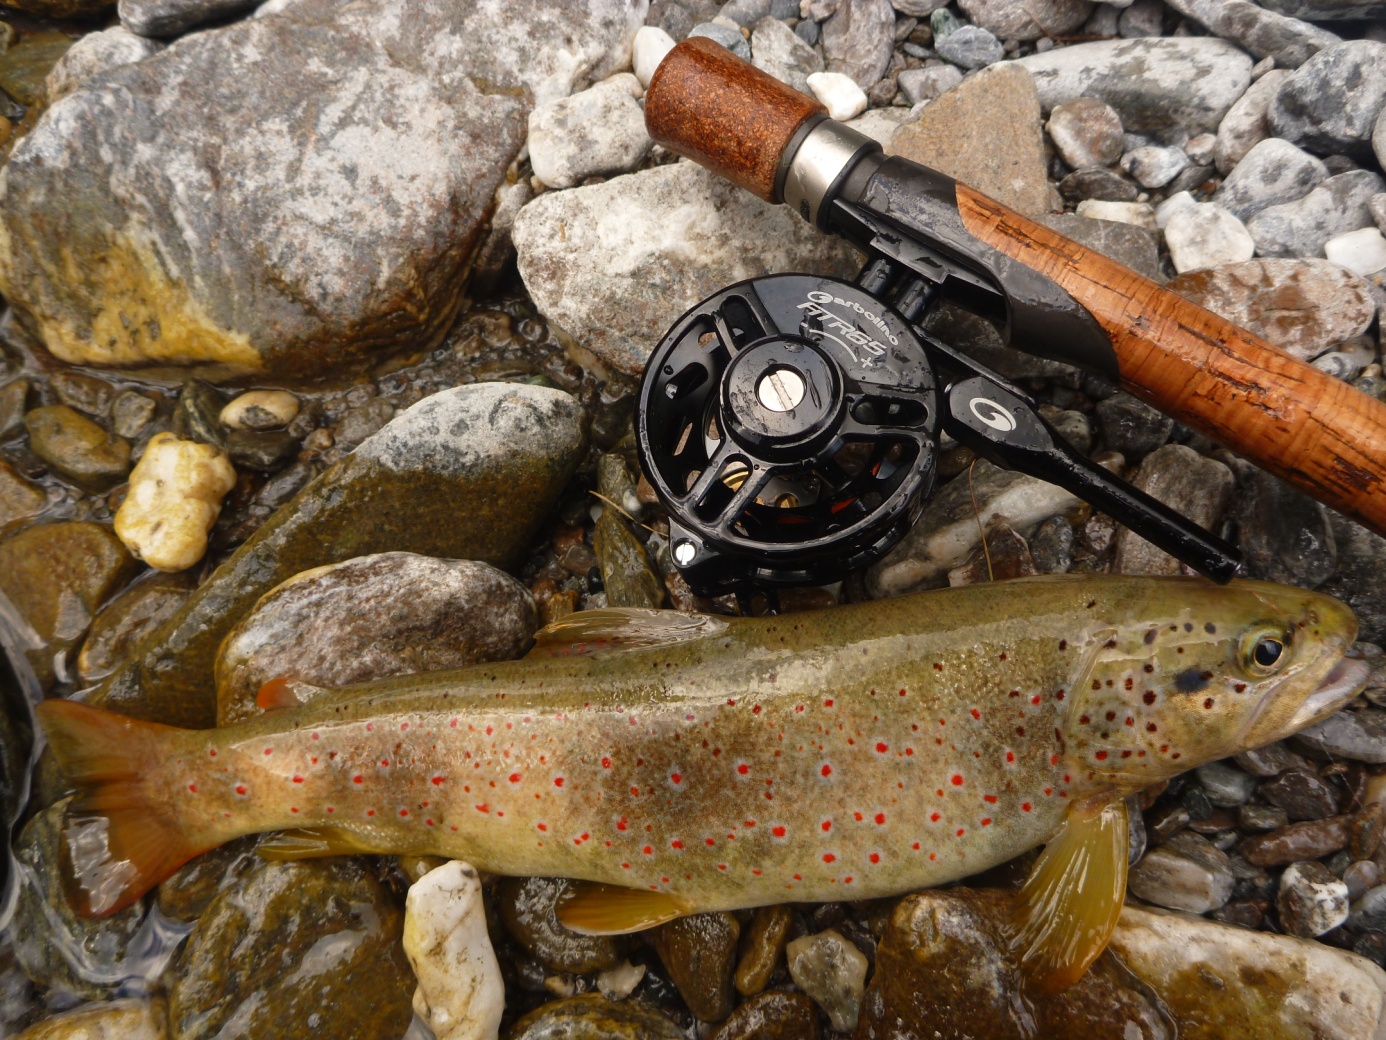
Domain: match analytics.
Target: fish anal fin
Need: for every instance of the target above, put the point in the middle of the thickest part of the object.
(589, 633)
(1069, 905)
(314, 843)
(591, 908)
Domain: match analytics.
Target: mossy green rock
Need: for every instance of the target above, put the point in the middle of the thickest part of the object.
(591, 1017)
(77, 448)
(469, 473)
(312, 948)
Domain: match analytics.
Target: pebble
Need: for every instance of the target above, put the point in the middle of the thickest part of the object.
(20, 499)
(839, 93)
(24, 67)
(880, 124)
(131, 412)
(1336, 206)
(1309, 840)
(858, 40)
(1331, 102)
(1154, 166)
(460, 994)
(593, 1017)
(1311, 901)
(1193, 485)
(14, 397)
(1143, 18)
(76, 448)
(648, 49)
(1098, 182)
(1131, 426)
(1359, 736)
(1271, 760)
(134, 1018)
(1362, 252)
(1302, 306)
(699, 952)
(161, 18)
(260, 410)
(526, 907)
(1261, 818)
(1087, 132)
(619, 982)
(93, 54)
(1206, 235)
(928, 83)
(776, 1015)
(1369, 912)
(1244, 126)
(1361, 875)
(1137, 214)
(1289, 42)
(1284, 535)
(728, 36)
(1302, 794)
(831, 970)
(1274, 171)
(761, 948)
(1013, 20)
(776, 50)
(1051, 546)
(174, 499)
(1185, 873)
(197, 415)
(1225, 785)
(83, 392)
(596, 132)
(969, 46)
(127, 619)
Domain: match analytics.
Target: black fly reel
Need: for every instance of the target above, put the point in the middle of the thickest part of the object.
(789, 425)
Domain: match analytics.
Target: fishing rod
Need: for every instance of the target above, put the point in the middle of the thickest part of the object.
(790, 423)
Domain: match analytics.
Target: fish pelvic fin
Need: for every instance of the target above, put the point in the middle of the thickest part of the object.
(591, 633)
(121, 835)
(591, 908)
(315, 843)
(1069, 905)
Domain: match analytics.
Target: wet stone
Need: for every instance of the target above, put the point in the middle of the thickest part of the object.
(1369, 912)
(776, 1015)
(1270, 760)
(1309, 840)
(127, 619)
(1125, 243)
(527, 909)
(186, 895)
(1331, 102)
(831, 970)
(1365, 831)
(14, 396)
(1360, 576)
(1261, 818)
(1301, 794)
(1360, 876)
(1245, 913)
(1101, 183)
(24, 67)
(1311, 901)
(1356, 735)
(20, 499)
(626, 573)
(85, 393)
(294, 949)
(1226, 786)
(699, 953)
(761, 946)
(593, 1017)
(131, 412)
(1185, 873)
(197, 416)
(1284, 534)
(77, 448)
(1131, 426)
(1192, 485)
(1051, 546)
(1336, 207)
(1164, 822)
(130, 1019)
(265, 451)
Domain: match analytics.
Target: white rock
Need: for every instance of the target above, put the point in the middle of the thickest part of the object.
(617, 983)
(174, 499)
(1142, 214)
(648, 49)
(1244, 126)
(461, 995)
(1362, 252)
(1311, 901)
(1200, 148)
(1271, 173)
(831, 970)
(880, 124)
(839, 92)
(926, 84)
(92, 55)
(1165, 211)
(1206, 235)
(1154, 166)
(600, 130)
(260, 410)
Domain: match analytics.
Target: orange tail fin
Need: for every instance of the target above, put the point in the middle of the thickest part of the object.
(121, 836)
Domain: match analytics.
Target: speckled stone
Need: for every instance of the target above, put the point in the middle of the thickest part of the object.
(1185, 873)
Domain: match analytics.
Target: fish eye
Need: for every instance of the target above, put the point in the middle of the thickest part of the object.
(1265, 651)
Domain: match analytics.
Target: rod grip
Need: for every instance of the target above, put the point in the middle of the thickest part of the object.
(1303, 425)
(723, 113)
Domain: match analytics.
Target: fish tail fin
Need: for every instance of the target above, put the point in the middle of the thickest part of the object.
(122, 836)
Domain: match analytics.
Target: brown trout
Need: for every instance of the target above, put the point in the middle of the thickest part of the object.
(689, 763)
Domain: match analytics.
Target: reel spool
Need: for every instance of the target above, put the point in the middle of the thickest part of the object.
(789, 425)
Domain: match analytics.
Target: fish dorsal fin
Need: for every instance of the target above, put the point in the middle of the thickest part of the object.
(591, 632)
(1070, 903)
(282, 692)
(314, 843)
(590, 908)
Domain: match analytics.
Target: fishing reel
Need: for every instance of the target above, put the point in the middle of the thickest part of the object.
(790, 426)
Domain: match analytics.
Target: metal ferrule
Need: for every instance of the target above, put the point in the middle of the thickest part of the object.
(820, 163)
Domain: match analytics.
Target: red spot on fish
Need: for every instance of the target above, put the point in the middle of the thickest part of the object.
(621, 824)
(358, 779)
(957, 780)
(648, 850)
(935, 817)
(370, 812)
(880, 818)
(298, 779)
(404, 812)
(828, 703)
(709, 841)
(606, 763)
(827, 770)
(293, 808)
(875, 857)
(542, 826)
(828, 857)
(1150, 727)
(269, 751)
(438, 780)
(370, 727)
(384, 763)
(1102, 756)
(453, 723)
(961, 831)
(676, 844)
(212, 752)
(1053, 760)
(1010, 756)
(483, 807)
(405, 725)
(676, 777)
(192, 788)
(827, 825)
(975, 713)
(986, 821)
(240, 789)
(938, 666)
(558, 781)
(743, 769)
(777, 831)
(1025, 806)
(882, 748)
(1035, 699)
(989, 798)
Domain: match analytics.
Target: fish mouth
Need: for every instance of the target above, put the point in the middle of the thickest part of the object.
(1340, 685)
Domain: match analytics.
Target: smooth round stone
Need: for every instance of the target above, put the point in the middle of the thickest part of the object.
(1244, 126)
(1051, 546)
(761, 948)
(1087, 132)
(260, 410)
(127, 619)
(14, 397)
(1359, 736)
(928, 83)
(1360, 876)
(839, 93)
(1285, 536)
(593, 1017)
(76, 448)
(1261, 818)
(598, 131)
(1141, 19)
(1362, 252)
(1226, 786)
(1206, 235)
(131, 412)
(1185, 873)
(1309, 840)
(24, 68)
(648, 49)
(1272, 172)
(197, 416)
(20, 499)
(1099, 183)
(1311, 901)
(92, 55)
(130, 1019)
(1131, 426)
(1154, 166)
(1166, 210)
(777, 1015)
(745, 13)
(969, 46)
(1302, 794)
(1379, 138)
(699, 952)
(526, 908)
(1193, 485)
(1332, 101)
(831, 970)
(1335, 207)
(776, 50)
(725, 35)
(1018, 20)
(858, 40)
(1200, 149)
(1369, 912)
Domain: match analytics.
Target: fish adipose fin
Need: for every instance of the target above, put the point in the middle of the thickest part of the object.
(314, 843)
(591, 632)
(121, 837)
(590, 908)
(1070, 903)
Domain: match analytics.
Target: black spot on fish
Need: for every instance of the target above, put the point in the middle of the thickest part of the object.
(1150, 636)
(1211, 628)
(1188, 626)
(1191, 680)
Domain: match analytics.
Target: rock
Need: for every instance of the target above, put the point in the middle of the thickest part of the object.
(1298, 841)
(174, 499)
(1330, 103)
(1254, 818)
(1272, 172)
(130, 413)
(839, 93)
(1359, 736)
(648, 49)
(859, 38)
(526, 908)
(197, 416)
(777, 1015)
(1361, 875)
(1051, 546)
(266, 451)
(1098, 182)
(598, 131)
(260, 410)
(68, 956)
(20, 499)
(1244, 126)
(947, 532)
(1017, 21)
(593, 1017)
(640, 249)
(626, 573)
(619, 982)
(1225, 785)
(1311, 901)
(880, 124)
(505, 449)
(928, 83)
(1087, 132)
(761, 947)
(698, 952)
(1328, 10)
(1288, 41)
(986, 132)
(1284, 535)
(1303, 307)
(294, 948)
(725, 35)
(77, 448)
(85, 393)
(127, 619)
(1131, 426)
(944, 968)
(131, 1019)
(1301, 794)
(1192, 485)
(1185, 873)
(56, 576)
(1360, 577)
(257, 277)
(461, 995)
(1206, 235)
(1361, 252)
(159, 18)
(14, 397)
(1151, 83)
(92, 55)
(1204, 972)
(393, 613)
(970, 47)
(1154, 166)
(832, 971)
(1271, 760)
(1301, 228)
(777, 51)
(186, 894)
(24, 68)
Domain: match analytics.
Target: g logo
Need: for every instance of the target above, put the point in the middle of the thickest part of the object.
(992, 414)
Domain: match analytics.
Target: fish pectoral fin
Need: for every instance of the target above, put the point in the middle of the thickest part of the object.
(591, 632)
(283, 692)
(314, 843)
(1070, 903)
(591, 908)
